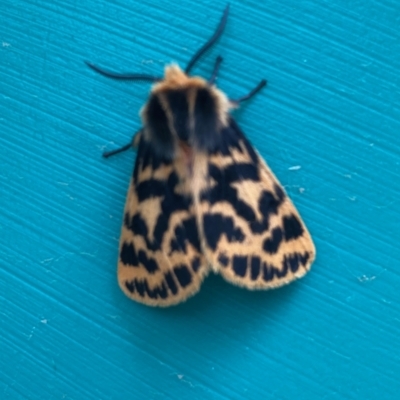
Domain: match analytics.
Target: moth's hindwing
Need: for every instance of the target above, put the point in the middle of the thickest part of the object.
(160, 260)
(252, 233)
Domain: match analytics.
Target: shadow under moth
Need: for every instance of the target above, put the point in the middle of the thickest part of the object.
(201, 198)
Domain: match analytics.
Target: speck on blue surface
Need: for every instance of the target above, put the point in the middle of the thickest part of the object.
(327, 125)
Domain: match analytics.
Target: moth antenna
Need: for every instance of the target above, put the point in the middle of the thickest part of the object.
(210, 42)
(251, 94)
(126, 76)
(110, 153)
(214, 75)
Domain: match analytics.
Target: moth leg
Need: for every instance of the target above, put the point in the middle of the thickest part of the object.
(133, 143)
(214, 75)
(250, 94)
(136, 138)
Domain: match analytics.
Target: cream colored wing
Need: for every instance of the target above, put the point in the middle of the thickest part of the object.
(252, 233)
(160, 259)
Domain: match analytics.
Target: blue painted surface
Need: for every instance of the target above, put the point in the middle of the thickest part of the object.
(331, 108)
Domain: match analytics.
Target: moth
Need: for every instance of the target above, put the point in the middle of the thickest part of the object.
(201, 199)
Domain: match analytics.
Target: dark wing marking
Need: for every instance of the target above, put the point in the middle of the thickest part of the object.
(252, 233)
(160, 261)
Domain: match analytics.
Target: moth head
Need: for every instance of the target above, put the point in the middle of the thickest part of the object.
(184, 110)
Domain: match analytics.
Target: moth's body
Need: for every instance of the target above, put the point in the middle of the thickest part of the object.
(202, 199)
(198, 205)
(184, 115)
